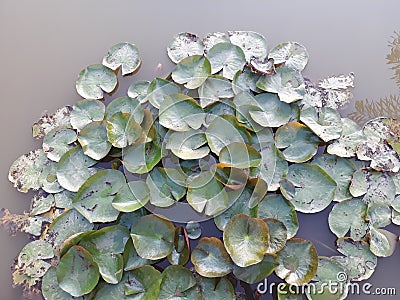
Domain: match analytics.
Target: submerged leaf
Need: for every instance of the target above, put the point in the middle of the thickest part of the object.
(124, 55)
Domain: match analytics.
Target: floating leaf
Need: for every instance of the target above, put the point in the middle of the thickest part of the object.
(337, 82)
(192, 71)
(292, 54)
(64, 199)
(131, 259)
(383, 242)
(124, 55)
(277, 235)
(262, 66)
(93, 139)
(299, 143)
(395, 217)
(58, 141)
(25, 172)
(123, 130)
(245, 81)
(226, 57)
(158, 89)
(95, 79)
(47, 122)
(138, 91)
(210, 258)
(105, 246)
(246, 240)
(245, 103)
(213, 38)
(289, 292)
(73, 169)
(325, 122)
(153, 237)
(51, 289)
(143, 282)
(183, 45)
(176, 283)
(180, 113)
(131, 196)
(193, 230)
(287, 83)
(349, 215)
(258, 272)
(181, 252)
(42, 202)
(85, 112)
(31, 258)
(141, 158)
(125, 105)
(225, 130)
(216, 288)
(77, 273)
(166, 186)
(214, 89)
(276, 207)
(382, 156)
(188, 144)
(378, 215)
(48, 178)
(252, 43)
(314, 188)
(298, 262)
(94, 198)
(239, 155)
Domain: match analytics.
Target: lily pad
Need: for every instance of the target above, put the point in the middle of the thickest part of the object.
(349, 215)
(299, 143)
(132, 260)
(292, 54)
(51, 289)
(125, 105)
(314, 189)
(176, 283)
(32, 256)
(210, 258)
(85, 112)
(239, 155)
(245, 104)
(141, 158)
(77, 273)
(245, 81)
(193, 230)
(216, 288)
(264, 66)
(181, 252)
(383, 243)
(277, 235)
(73, 169)
(252, 43)
(153, 237)
(93, 139)
(298, 262)
(214, 89)
(123, 130)
(246, 240)
(64, 199)
(138, 91)
(47, 122)
(188, 144)
(192, 71)
(131, 196)
(41, 202)
(124, 55)
(158, 89)
(58, 141)
(226, 57)
(183, 45)
(95, 79)
(378, 215)
(258, 272)
(180, 113)
(213, 38)
(94, 198)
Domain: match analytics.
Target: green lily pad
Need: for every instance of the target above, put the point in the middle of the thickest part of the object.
(325, 122)
(340, 170)
(292, 54)
(213, 38)
(383, 243)
(124, 55)
(176, 283)
(94, 198)
(64, 199)
(188, 144)
(77, 273)
(395, 217)
(58, 141)
(192, 71)
(138, 91)
(123, 130)
(180, 113)
(223, 107)
(166, 186)
(214, 89)
(252, 43)
(210, 258)
(276, 207)
(245, 81)
(106, 246)
(93, 139)
(277, 235)
(289, 292)
(85, 112)
(246, 239)
(273, 113)
(125, 105)
(47, 122)
(153, 237)
(216, 288)
(226, 57)
(359, 261)
(73, 169)
(51, 289)
(193, 230)
(143, 283)
(314, 189)
(298, 262)
(181, 252)
(141, 158)
(183, 45)
(299, 143)
(206, 194)
(287, 83)
(258, 272)
(132, 196)
(48, 178)
(95, 79)
(34, 251)
(158, 89)
(349, 215)
(245, 103)
(225, 130)
(132, 260)
(378, 215)
(239, 155)
(41, 202)
(25, 172)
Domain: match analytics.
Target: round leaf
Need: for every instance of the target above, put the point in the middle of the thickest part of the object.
(176, 283)
(292, 54)
(125, 105)
(85, 112)
(93, 139)
(125, 55)
(141, 158)
(138, 91)
(239, 155)
(183, 45)
(193, 230)
(214, 89)
(123, 130)
(95, 79)
(277, 235)
(58, 141)
(192, 71)
(252, 43)
(383, 243)
(188, 144)
(158, 89)
(214, 38)
(51, 289)
(258, 272)
(131, 196)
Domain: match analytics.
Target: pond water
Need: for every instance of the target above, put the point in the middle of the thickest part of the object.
(45, 45)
